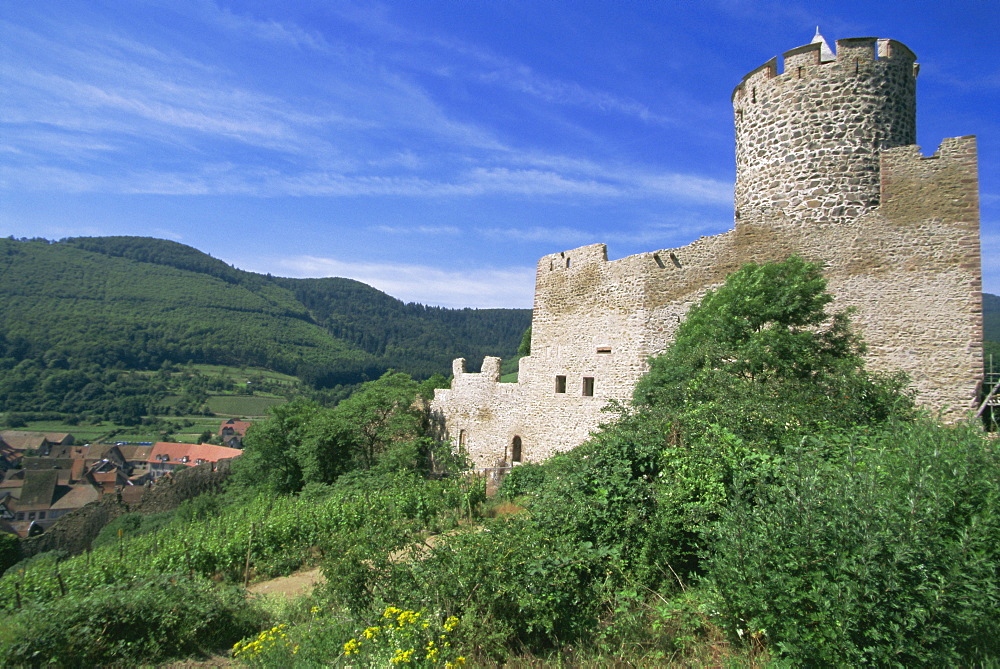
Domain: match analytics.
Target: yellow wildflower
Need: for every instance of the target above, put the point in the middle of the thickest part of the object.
(351, 647)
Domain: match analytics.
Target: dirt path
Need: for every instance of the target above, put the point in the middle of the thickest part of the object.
(288, 587)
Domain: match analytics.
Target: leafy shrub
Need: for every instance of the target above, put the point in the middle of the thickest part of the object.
(888, 556)
(130, 525)
(205, 505)
(162, 618)
(761, 356)
(515, 586)
(10, 551)
(523, 480)
(602, 492)
(38, 561)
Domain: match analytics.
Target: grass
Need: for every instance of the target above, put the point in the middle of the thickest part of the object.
(242, 405)
(240, 373)
(83, 433)
(107, 432)
(509, 368)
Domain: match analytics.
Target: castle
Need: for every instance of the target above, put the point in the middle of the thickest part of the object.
(826, 169)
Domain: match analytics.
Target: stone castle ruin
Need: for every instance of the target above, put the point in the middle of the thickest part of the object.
(826, 168)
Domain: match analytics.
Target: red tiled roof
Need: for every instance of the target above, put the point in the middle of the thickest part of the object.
(176, 453)
(238, 426)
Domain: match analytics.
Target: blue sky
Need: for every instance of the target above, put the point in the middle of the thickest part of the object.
(434, 150)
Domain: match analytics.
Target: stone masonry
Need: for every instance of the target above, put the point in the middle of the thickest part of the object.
(826, 169)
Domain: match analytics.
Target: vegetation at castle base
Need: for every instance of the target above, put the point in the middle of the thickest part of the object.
(991, 355)
(888, 554)
(83, 315)
(878, 541)
(745, 508)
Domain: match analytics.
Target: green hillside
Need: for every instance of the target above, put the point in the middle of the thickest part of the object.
(80, 311)
(991, 328)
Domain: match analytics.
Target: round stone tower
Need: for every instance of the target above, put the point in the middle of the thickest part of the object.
(808, 139)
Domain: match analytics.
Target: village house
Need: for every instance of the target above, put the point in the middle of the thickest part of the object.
(232, 431)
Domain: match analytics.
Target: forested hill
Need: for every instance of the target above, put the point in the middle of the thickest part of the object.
(137, 303)
(991, 329)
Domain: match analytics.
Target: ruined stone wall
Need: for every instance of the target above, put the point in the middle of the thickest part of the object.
(808, 139)
(817, 175)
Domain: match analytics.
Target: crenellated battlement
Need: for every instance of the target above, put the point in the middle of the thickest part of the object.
(853, 53)
(575, 258)
(916, 187)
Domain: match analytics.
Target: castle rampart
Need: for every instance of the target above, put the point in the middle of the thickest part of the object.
(896, 231)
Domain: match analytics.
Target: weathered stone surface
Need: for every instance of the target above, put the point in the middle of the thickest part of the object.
(826, 170)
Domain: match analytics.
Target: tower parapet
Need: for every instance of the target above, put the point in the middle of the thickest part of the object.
(808, 139)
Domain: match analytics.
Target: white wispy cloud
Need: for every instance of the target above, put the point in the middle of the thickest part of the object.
(448, 230)
(236, 179)
(115, 114)
(559, 236)
(687, 187)
(242, 25)
(685, 229)
(480, 288)
(477, 64)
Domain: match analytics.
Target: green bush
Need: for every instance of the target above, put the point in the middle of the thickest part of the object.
(523, 480)
(762, 357)
(10, 551)
(38, 561)
(887, 556)
(130, 525)
(602, 493)
(512, 585)
(162, 618)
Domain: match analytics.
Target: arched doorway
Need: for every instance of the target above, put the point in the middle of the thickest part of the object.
(515, 451)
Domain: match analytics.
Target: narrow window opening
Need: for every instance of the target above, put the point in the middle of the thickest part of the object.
(753, 96)
(567, 262)
(674, 260)
(515, 450)
(588, 386)
(800, 72)
(461, 438)
(857, 66)
(560, 384)
(604, 349)
(659, 261)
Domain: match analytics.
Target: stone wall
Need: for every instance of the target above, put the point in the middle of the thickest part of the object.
(896, 232)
